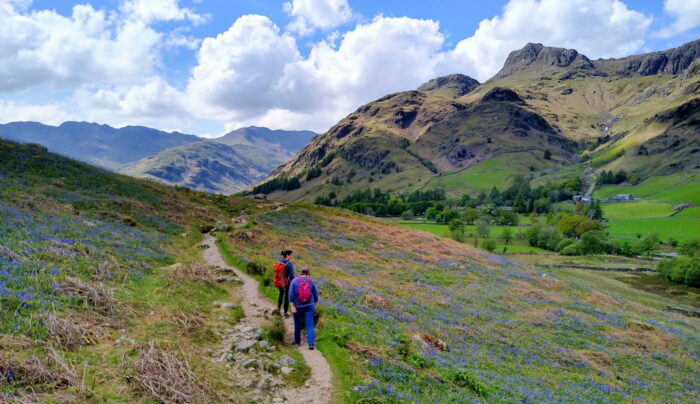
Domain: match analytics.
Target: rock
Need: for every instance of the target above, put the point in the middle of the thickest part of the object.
(286, 360)
(228, 305)
(249, 384)
(286, 370)
(227, 278)
(220, 270)
(501, 94)
(245, 345)
(458, 83)
(221, 226)
(430, 340)
(264, 344)
(124, 341)
(264, 384)
(251, 363)
(277, 400)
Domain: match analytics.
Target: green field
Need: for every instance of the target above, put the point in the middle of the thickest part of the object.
(677, 188)
(692, 211)
(636, 210)
(498, 171)
(680, 228)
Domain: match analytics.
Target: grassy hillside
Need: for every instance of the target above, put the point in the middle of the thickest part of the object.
(89, 292)
(411, 317)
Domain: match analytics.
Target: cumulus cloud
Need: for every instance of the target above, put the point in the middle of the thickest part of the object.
(596, 28)
(686, 14)
(44, 47)
(254, 73)
(310, 15)
(50, 114)
(160, 10)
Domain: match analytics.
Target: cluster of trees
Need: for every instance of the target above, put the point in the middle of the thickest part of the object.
(609, 177)
(382, 203)
(525, 199)
(684, 269)
(572, 234)
(279, 183)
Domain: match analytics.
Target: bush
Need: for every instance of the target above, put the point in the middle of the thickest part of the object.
(691, 248)
(563, 243)
(254, 268)
(407, 214)
(403, 346)
(275, 332)
(488, 245)
(681, 270)
(463, 378)
(571, 249)
(420, 362)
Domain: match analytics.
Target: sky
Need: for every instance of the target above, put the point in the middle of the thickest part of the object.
(207, 67)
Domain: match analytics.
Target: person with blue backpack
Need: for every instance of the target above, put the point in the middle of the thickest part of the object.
(304, 296)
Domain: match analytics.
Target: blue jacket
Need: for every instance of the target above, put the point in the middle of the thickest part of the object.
(294, 295)
(289, 272)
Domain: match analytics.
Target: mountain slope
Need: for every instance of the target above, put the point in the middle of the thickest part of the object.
(638, 113)
(226, 165)
(205, 165)
(101, 145)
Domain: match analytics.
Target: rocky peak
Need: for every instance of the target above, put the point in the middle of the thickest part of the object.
(500, 94)
(536, 55)
(671, 61)
(455, 85)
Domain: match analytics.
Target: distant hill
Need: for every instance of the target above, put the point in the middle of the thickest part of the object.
(227, 164)
(640, 114)
(101, 145)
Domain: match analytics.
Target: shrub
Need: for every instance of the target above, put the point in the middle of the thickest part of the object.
(563, 243)
(681, 270)
(254, 268)
(571, 249)
(420, 362)
(275, 332)
(691, 248)
(267, 278)
(462, 378)
(403, 346)
(489, 245)
(692, 275)
(407, 214)
(457, 229)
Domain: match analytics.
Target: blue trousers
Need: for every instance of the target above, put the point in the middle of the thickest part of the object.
(305, 314)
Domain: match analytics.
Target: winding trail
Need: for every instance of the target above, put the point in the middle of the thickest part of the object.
(319, 387)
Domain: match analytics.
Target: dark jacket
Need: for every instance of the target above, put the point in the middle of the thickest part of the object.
(289, 271)
(294, 293)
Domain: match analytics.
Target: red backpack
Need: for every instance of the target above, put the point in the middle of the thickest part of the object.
(304, 290)
(279, 277)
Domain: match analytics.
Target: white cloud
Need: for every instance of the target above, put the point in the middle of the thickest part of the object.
(50, 114)
(255, 74)
(44, 47)
(686, 14)
(160, 10)
(310, 15)
(596, 28)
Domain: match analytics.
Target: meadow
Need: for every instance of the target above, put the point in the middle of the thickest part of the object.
(678, 227)
(679, 187)
(636, 210)
(407, 316)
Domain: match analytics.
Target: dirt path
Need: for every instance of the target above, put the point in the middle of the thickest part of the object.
(319, 387)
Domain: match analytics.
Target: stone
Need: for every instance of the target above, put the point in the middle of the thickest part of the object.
(221, 226)
(249, 384)
(286, 370)
(265, 383)
(286, 360)
(227, 305)
(227, 278)
(245, 345)
(251, 363)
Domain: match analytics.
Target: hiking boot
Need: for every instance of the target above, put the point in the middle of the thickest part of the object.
(311, 347)
(286, 315)
(296, 344)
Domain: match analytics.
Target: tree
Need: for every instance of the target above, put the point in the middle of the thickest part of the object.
(489, 245)
(456, 227)
(507, 235)
(470, 215)
(649, 245)
(407, 214)
(431, 213)
(534, 218)
(482, 228)
(691, 248)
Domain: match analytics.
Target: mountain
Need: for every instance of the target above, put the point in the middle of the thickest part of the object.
(638, 113)
(204, 165)
(101, 145)
(226, 165)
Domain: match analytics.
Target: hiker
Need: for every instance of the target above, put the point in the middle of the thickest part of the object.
(304, 296)
(283, 274)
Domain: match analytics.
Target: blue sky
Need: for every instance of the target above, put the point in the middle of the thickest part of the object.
(205, 67)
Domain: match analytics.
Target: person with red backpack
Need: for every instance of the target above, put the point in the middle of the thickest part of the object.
(304, 296)
(283, 274)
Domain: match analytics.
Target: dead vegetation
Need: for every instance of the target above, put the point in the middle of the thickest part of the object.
(69, 335)
(379, 301)
(95, 296)
(35, 373)
(162, 376)
(190, 271)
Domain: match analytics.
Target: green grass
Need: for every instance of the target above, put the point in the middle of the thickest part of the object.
(636, 210)
(653, 186)
(686, 192)
(692, 211)
(680, 228)
(498, 171)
